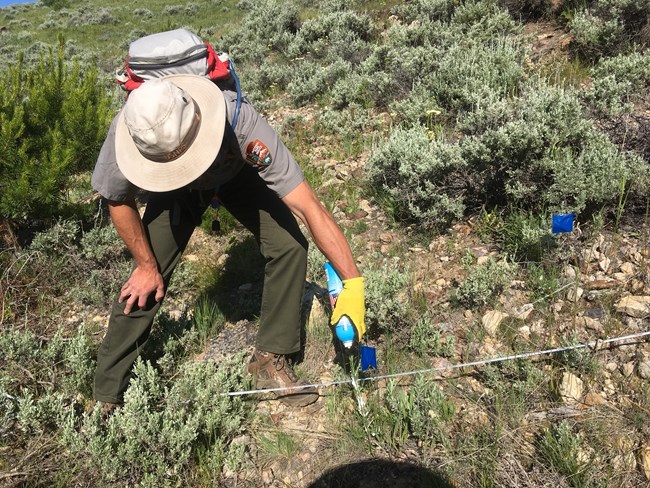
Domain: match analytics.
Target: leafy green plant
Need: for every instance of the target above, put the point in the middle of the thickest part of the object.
(420, 411)
(525, 236)
(560, 446)
(387, 300)
(484, 282)
(543, 280)
(278, 445)
(582, 360)
(515, 388)
(608, 27)
(426, 339)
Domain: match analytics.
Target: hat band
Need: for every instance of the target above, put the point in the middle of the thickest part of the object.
(185, 144)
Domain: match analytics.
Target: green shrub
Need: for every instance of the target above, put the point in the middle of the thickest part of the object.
(102, 245)
(414, 178)
(61, 365)
(525, 236)
(421, 10)
(311, 79)
(560, 448)
(541, 148)
(516, 387)
(422, 412)
(609, 27)
(145, 13)
(387, 300)
(164, 428)
(52, 122)
(426, 339)
(337, 35)
(470, 73)
(267, 27)
(619, 82)
(484, 282)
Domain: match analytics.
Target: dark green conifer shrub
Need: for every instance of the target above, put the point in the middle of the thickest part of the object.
(53, 119)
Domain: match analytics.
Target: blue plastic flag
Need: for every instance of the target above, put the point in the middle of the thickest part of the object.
(368, 358)
(563, 223)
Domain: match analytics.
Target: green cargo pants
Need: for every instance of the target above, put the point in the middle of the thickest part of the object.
(169, 220)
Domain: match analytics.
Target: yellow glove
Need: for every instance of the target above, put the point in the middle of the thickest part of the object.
(351, 302)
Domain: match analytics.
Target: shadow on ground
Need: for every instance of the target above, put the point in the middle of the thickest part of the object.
(381, 473)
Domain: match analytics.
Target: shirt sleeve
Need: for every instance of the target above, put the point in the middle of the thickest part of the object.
(261, 148)
(107, 178)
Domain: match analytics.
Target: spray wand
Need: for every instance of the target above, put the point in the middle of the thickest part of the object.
(344, 330)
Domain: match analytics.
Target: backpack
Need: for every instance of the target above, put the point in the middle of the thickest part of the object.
(177, 52)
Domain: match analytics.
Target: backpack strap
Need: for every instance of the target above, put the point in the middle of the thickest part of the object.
(220, 68)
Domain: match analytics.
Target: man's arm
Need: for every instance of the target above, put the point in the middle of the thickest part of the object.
(325, 231)
(330, 240)
(145, 278)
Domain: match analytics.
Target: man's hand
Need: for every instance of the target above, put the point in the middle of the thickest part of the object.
(145, 278)
(351, 302)
(140, 285)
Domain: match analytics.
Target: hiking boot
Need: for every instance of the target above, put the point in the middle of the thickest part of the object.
(274, 371)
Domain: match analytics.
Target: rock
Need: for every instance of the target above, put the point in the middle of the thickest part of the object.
(601, 284)
(593, 399)
(644, 460)
(524, 332)
(589, 323)
(570, 388)
(611, 366)
(359, 214)
(482, 260)
(637, 285)
(221, 262)
(523, 312)
(627, 369)
(246, 287)
(570, 272)
(624, 462)
(604, 264)
(385, 238)
(574, 294)
(628, 269)
(480, 251)
(491, 321)
(634, 306)
(589, 255)
(609, 390)
(644, 370)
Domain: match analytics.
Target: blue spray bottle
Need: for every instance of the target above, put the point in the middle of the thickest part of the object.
(344, 328)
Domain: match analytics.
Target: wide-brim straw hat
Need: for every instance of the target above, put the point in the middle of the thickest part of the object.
(170, 131)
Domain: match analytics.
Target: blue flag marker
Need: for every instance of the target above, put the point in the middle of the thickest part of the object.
(563, 223)
(368, 358)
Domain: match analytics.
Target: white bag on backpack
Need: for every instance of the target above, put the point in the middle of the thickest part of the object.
(168, 53)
